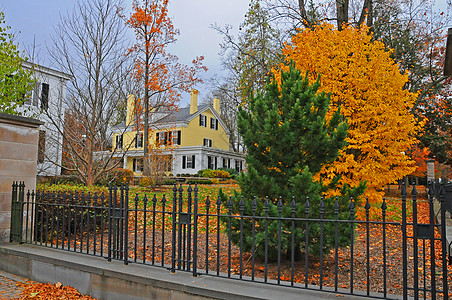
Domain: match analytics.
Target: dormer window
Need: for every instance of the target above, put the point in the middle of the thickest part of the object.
(213, 123)
(202, 121)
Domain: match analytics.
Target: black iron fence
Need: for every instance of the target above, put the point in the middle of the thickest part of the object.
(400, 250)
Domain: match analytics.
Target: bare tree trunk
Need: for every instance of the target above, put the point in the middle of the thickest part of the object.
(89, 46)
(366, 12)
(304, 16)
(342, 13)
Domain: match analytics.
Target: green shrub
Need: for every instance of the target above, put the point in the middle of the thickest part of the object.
(122, 176)
(146, 181)
(71, 188)
(169, 182)
(207, 173)
(220, 174)
(199, 181)
(215, 181)
(232, 172)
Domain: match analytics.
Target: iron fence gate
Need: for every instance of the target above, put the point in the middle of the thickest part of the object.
(423, 236)
(119, 227)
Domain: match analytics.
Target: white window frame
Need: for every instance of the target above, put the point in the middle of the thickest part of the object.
(175, 137)
(202, 120)
(119, 141)
(138, 162)
(207, 143)
(139, 140)
(214, 123)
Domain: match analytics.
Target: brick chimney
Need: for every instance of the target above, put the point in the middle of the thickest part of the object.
(194, 101)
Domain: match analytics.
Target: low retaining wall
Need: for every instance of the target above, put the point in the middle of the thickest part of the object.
(113, 280)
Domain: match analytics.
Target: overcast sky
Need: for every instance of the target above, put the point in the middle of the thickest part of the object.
(35, 19)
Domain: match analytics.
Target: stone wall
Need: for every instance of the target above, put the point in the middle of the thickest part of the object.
(18, 159)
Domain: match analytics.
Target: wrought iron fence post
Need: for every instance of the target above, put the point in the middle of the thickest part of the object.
(404, 243)
(195, 232)
(443, 245)
(352, 238)
(415, 242)
(110, 200)
(126, 225)
(173, 241)
(17, 201)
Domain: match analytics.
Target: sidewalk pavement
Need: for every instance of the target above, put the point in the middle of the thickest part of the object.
(8, 288)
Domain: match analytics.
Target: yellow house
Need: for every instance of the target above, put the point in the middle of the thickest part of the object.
(183, 141)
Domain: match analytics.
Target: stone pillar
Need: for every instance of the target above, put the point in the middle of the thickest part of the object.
(18, 160)
(430, 169)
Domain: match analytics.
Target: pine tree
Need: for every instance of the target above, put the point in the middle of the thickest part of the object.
(288, 140)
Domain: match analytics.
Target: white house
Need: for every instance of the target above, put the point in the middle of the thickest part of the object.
(46, 103)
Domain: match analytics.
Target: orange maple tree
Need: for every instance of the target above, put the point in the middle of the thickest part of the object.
(158, 72)
(369, 87)
(420, 155)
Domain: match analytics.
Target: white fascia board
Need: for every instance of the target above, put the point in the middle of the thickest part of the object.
(45, 70)
(164, 126)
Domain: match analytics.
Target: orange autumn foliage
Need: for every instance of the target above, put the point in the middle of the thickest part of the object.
(420, 156)
(369, 88)
(158, 74)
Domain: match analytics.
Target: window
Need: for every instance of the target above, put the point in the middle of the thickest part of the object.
(226, 163)
(119, 141)
(139, 140)
(238, 165)
(138, 165)
(162, 137)
(169, 137)
(35, 98)
(213, 123)
(45, 96)
(176, 137)
(209, 162)
(212, 162)
(202, 120)
(41, 146)
(188, 162)
(207, 142)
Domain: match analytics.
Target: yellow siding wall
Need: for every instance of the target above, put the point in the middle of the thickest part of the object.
(193, 134)
(128, 138)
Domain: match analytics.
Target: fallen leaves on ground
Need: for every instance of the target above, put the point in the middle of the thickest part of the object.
(36, 291)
